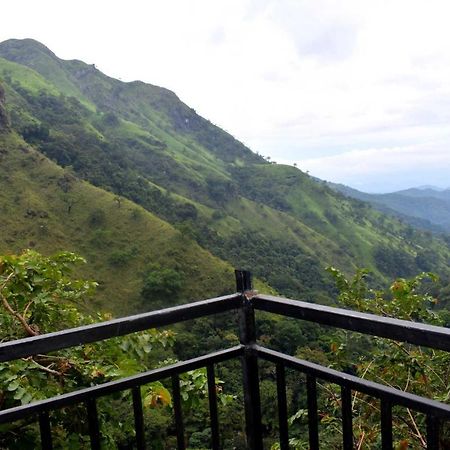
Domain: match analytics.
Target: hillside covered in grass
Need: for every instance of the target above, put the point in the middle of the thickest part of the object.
(47, 208)
(152, 156)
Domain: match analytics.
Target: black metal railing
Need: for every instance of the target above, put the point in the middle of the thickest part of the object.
(245, 302)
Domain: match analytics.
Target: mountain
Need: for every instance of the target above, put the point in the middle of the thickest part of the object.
(432, 187)
(428, 192)
(139, 144)
(424, 207)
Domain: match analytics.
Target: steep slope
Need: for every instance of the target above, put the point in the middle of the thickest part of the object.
(47, 208)
(141, 142)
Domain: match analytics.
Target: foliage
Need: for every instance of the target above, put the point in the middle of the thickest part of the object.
(39, 295)
(391, 261)
(396, 364)
(161, 284)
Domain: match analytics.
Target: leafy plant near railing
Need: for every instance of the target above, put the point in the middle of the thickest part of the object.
(400, 365)
(39, 294)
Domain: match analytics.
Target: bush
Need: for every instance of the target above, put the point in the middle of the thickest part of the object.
(97, 218)
(161, 284)
(120, 258)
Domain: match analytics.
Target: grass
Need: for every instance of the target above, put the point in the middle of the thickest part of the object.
(35, 214)
(28, 78)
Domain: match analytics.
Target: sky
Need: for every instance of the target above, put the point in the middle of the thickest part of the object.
(352, 91)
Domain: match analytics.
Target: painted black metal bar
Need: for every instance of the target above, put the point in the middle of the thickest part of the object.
(71, 398)
(243, 280)
(400, 330)
(138, 418)
(212, 398)
(247, 336)
(112, 328)
(313, 419)
(94, 428)
(433, 426)
(386, 424)
(347, 422)
(46, 433)
(176, 397)
(282, 406)
(397, 397)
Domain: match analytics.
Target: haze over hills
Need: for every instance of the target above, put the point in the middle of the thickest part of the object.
(425, 207)
(222, 204)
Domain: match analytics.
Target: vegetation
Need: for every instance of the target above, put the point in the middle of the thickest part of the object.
(38, 295)
(46, 208)
(400, 365)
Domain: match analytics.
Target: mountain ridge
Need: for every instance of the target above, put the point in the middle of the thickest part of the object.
(143, 144)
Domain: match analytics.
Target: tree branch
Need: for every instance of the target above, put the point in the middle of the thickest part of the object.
(14, 313)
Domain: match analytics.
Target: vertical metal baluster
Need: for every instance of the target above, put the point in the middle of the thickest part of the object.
(46, 433)
(94, 429)
(212, 398)
(138, 418)
(178, 413)
(432, 433)
(247, 335)
(313, 419)
(386, 424)
(282, 407)
(347, 427)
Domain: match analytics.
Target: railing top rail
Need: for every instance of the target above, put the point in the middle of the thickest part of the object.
(386, 327)
(113, 328)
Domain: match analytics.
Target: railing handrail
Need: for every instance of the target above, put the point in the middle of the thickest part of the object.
(400, 330)
(73, 337)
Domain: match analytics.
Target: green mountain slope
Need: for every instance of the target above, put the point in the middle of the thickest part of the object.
(47, 208)
(141, 142)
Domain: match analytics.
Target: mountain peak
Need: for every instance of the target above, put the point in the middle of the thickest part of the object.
(16, 47)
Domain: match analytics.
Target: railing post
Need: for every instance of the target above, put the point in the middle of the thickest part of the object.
(249, 363)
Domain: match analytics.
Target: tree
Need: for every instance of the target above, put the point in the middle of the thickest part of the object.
(397, 364)
(118, 199)
(161, 284)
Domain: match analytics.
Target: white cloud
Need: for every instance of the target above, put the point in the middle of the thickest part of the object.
(384, 169)
(293, 79)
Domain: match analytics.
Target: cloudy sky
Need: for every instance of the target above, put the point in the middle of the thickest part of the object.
(356, 92)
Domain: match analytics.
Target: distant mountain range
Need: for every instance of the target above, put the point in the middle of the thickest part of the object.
(426, 207)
